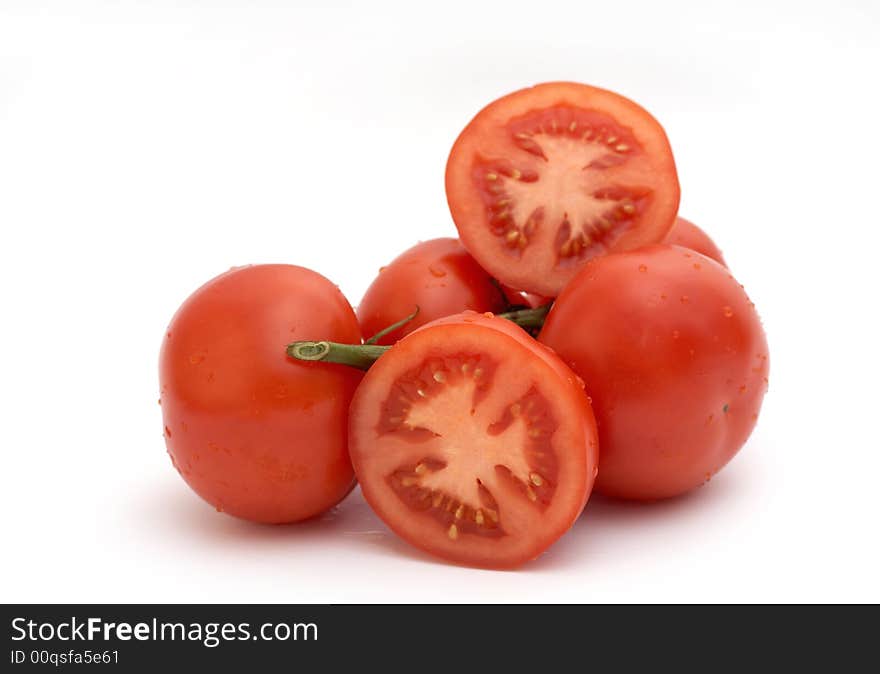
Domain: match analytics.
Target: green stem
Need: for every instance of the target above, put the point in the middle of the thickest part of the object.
(528, 318)
(391, 328)
(360, 356)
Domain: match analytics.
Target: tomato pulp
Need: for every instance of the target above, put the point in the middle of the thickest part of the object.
(255, 433)
(675, 361)
(547, 178)
(473, 442)
(439, 277)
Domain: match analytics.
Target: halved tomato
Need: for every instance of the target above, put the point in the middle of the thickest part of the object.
(546, 178)
(474, 442)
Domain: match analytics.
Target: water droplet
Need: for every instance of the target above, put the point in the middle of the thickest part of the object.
(684, 299)
(643, 267)
(436, 271)
(728, 312)
(697, 266)
(381, 269)
(196, 358)
(167, 432)
(580, 382)
(676, 334)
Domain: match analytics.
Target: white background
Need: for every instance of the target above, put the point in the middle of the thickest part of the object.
(146, 147)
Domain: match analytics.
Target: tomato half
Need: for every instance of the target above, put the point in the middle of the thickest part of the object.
(675, 361)
(255, 433)
(686, 234)
(474, 442)
(547, 178)
(439, 277)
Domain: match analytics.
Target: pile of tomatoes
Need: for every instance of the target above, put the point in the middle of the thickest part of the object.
(579, 335)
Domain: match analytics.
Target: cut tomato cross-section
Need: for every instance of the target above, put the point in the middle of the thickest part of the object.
(546, 178)
(474, 442)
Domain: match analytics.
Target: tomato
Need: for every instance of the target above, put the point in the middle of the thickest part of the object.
(686, 234)
(675, 361)
(547, 178)
(437, 276)
(520, 298)
(473, 442)
(255, 433)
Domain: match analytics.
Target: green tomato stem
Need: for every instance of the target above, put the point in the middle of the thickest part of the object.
(362, 356)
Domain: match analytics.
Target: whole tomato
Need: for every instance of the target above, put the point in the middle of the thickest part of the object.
(437, 276)
(686, 234)
(675, 360)
(255, 433)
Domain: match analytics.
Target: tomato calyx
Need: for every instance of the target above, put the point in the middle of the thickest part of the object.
(362, 356)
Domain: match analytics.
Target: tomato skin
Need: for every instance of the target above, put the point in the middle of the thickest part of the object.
(488, 137)
(257, 434)
(522, 298)
(686, 234)
(439, 276)
(675, 361)
(577, 440)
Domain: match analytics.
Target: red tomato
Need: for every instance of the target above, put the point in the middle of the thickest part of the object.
(686, 234)
(522, 298)
(255, 433)
(438, 276)
(675, 361)
(547, 178)
(474, 442)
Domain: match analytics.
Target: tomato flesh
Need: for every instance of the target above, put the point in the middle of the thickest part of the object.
(473, 443)
(547, 178)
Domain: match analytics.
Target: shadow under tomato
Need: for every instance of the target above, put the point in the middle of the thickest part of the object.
(611, 528)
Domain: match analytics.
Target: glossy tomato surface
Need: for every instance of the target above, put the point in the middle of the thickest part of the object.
(686, 234)
(473, 442)
(439, 277)
(547, 178)
(255, 433)
(674, 359)
(520, 298)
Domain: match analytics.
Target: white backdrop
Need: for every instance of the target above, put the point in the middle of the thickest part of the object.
(147, 146)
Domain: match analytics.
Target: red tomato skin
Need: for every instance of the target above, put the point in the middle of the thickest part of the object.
(257, 434)
(686, 234)
(523, 298)
(439, 276)
(675, 361)
(583, 467)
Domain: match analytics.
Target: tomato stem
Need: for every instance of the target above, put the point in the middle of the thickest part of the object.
(391, 328)
(360, 356)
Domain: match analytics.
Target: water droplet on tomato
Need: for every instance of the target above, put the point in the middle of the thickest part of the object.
(436, 271)
(684, 299)
(728, 312)
(643, 267)
(196, 358)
